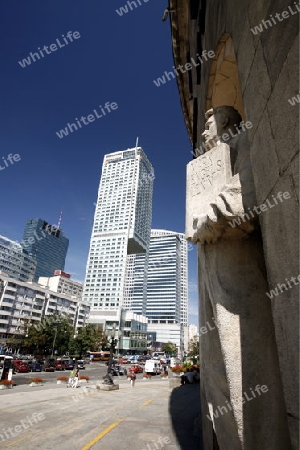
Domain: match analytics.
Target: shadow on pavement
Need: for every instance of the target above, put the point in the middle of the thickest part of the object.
(184, 408)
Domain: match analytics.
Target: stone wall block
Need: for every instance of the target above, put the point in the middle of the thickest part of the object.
(264, 159)
(285, 117)
(245, 52)
(257, 91)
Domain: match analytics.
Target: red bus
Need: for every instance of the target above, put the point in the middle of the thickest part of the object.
(98, 356)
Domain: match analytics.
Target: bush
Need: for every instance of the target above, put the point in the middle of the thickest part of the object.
(36, 380)
(84, 377)
(178, 369)
(62, 378)
(6, 382)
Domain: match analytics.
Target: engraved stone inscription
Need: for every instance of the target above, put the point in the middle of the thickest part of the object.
(203, 179)
(206, 177)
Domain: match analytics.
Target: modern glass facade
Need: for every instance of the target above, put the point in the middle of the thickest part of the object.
(157, 286)
(135, 292)
(122, 224)
(167, 283)
(15, 262)
(157, 282)
(47, 244)
(134, 333)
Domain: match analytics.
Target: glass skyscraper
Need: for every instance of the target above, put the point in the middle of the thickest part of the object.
(167, 278)
(157, 282)
(157, 286)
(47, 244)
(122, 224)
(135, 292)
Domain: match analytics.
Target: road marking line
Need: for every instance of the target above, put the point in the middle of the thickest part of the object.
(16, 442)
(101, 435)
(147, 402)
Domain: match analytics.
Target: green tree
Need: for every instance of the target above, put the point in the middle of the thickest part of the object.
(101, 341)
(193, 352)
(52, 330)
(90, 337)
(85, 339)
(170, 349)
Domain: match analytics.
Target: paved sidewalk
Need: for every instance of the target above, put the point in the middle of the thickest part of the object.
(184, 408)
(149, 416)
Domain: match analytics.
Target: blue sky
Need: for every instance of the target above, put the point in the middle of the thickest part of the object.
(115, 59)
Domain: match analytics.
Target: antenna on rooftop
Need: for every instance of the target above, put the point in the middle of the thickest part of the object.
(59, 220)
(137, 142)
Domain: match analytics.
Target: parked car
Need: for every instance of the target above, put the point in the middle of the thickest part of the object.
(80, 364)
(136, 369)
(69, 365)
(17, 364)
(60, 364)
(118, 370)
(114, 361)
(146, 357)
(49, 365)
(141, 360)
(123, 361)
(23, 368)
(36, 367)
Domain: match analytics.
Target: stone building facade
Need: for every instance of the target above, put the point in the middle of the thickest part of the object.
(254, 69)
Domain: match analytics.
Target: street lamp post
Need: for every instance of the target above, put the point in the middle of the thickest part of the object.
(53, 345)
(111, 337)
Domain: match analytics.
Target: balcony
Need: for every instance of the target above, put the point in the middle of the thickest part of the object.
(12, 288)
(12, 330)
(11, 296)
(5, 312)
(27, 307)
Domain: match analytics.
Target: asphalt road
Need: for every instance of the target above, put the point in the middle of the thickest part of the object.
(52, 417)
(95, 371)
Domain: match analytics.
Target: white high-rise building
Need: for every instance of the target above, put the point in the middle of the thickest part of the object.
(135, 293)
(122, 225)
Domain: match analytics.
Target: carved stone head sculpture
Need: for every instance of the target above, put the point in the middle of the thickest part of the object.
(210, 135)
(227, 121)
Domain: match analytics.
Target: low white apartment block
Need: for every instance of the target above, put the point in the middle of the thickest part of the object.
(25, 303)
(62, 283)
(16, 262)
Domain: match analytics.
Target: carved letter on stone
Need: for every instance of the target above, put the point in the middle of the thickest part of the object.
(207, 176)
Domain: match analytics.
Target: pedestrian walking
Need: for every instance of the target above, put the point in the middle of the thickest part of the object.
(71, 379)
(132, 379)
(76, 379)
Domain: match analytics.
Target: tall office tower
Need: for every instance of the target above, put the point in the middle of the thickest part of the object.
(122, 225)
(47, 244)
(167, 286)
(16, 262)
(135, 291)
